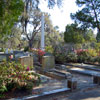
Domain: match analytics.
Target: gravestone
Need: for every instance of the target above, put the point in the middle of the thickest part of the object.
(26, 60)
(48, 62)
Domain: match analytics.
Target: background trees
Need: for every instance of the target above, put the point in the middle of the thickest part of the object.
(76, 36)
(10, 10)
(89, 15)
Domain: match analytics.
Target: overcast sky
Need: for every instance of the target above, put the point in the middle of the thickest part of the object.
(60, 17)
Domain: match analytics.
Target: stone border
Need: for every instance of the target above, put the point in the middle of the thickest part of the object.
(32, 97)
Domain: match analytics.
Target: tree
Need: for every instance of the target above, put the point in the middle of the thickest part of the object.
(73, 34)
(30, 8)
(32, 34)
(10, 10)
(89, 36)
(89, 15)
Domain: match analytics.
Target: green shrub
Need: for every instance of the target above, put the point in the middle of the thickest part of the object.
(92, 52)
(49, 49)
(60, 57)
(71, 57)
(83, 56)
(26, 49)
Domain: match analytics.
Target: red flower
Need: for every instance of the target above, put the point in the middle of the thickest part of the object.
(27, 69)
(41, 53)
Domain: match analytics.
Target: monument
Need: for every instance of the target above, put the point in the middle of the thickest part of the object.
(42, 33)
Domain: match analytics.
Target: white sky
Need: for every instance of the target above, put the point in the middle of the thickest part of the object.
(60, 17)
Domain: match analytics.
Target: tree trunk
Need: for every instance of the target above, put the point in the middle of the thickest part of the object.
(30, 43)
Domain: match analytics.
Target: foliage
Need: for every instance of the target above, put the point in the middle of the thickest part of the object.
(2, 50)
(92, 52)
(14, 76)
(60, 57)
(26, 49)
(49, 49)
(73, 34)
(71, 57)
(60, 54)
(10, 10)
(89, 36)
(89, 14)
(83, 56)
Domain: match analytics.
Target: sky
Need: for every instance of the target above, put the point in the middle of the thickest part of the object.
(60, 17)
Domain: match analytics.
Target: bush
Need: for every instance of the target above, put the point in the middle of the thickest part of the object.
(60, 57)
(92, 52)
(83, 56)
(49, 49)
(71, 57)
(15, 76)
(26, 49)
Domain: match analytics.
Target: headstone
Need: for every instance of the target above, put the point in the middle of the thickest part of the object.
(48, 62)
(26, 60)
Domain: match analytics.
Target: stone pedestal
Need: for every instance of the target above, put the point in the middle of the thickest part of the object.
(26, 60)
(72, 84)
(96, 79)
(48, 62)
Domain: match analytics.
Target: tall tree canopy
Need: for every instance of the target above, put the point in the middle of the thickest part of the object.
(10, 10)
(73, 34)
(89, 15)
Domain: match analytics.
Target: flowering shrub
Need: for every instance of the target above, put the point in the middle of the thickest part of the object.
(40, 55)
(41, 52)
(14, 76)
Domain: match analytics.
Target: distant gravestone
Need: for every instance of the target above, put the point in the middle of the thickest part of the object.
(48, 62)
(26, 60)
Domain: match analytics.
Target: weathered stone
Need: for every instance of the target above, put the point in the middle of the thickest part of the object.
(48, 62)
(26, 60)
(96, 79)
(72, 84)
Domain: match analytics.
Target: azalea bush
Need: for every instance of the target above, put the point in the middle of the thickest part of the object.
(14, 76)
(40, 54)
